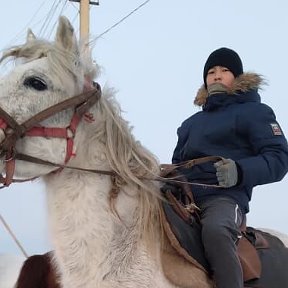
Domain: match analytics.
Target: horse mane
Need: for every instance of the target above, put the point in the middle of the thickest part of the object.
(135, 164)
(63, 64)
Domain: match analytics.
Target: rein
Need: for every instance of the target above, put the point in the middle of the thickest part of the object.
(165, 169)
(13, 131)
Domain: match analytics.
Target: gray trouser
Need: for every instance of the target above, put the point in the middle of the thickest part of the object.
(221, 219)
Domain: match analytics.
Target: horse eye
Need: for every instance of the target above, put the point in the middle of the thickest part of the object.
(35, 83)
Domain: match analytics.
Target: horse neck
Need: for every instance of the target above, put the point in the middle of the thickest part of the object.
(80, 207)
(87, 236)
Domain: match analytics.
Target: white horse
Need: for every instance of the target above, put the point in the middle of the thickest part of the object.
(105, 228)
(100, 240)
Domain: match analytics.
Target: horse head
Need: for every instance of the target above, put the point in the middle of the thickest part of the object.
(47, 73)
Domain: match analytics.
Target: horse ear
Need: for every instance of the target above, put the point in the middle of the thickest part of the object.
(30, 36)
(65, 35)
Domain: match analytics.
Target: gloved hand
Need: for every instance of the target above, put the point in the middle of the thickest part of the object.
(226, 172)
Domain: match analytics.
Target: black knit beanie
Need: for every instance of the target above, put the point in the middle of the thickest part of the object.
(223, 57)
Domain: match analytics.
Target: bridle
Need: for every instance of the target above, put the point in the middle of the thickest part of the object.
(14, 131)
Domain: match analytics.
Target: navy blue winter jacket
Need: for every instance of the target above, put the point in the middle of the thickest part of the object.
(238, 126)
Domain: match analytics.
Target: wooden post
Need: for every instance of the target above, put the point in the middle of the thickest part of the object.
(85, 17)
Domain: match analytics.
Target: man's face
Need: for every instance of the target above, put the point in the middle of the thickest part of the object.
(220, 74)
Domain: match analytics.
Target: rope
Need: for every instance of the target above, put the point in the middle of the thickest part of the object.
(13, 236)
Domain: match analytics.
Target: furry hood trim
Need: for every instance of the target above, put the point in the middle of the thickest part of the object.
(243, 83)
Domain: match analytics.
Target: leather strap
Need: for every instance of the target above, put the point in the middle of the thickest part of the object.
(35, 160)
(167, 169)
(13, 131)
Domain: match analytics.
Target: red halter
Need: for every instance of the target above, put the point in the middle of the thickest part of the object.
(14, 131)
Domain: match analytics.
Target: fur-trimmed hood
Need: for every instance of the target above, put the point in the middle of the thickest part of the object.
(243, 83)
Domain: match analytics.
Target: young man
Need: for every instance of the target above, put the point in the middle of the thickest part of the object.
(235, 125)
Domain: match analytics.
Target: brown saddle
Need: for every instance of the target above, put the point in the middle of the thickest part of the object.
(248, 244)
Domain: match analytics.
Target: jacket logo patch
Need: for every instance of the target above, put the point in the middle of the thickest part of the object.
(276, 129)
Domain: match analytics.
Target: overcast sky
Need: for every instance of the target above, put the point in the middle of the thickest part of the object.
(155, 60)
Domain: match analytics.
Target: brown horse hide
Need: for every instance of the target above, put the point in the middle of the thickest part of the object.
(38, 272)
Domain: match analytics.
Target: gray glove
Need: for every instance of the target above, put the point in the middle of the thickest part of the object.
(226, 172)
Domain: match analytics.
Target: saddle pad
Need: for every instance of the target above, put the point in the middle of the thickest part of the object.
(188, 235)
(180, 271)
(178, 266)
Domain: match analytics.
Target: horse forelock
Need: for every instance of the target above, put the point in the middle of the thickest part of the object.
(65, 65)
